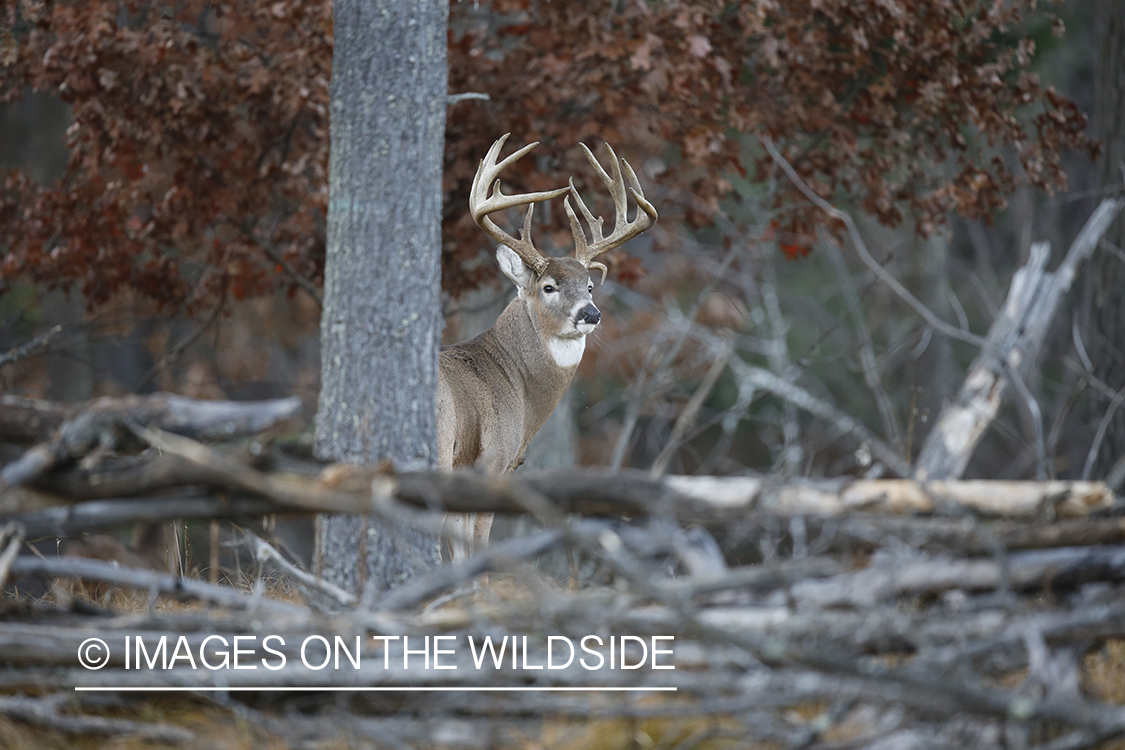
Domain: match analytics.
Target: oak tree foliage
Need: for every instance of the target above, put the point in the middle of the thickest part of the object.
(199, 143)
(198, 152)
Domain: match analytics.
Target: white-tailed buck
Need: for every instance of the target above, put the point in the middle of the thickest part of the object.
(495, 391)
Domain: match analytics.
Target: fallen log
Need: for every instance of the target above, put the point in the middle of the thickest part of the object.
(102, 423)
(1039, 569)
(30, 420)
(968, 536)
(722, 500)
(717, 502)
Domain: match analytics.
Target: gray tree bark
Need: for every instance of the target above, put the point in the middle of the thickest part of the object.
(1105, 335)
(382, 314)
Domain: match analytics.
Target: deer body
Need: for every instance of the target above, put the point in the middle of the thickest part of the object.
(496, 390)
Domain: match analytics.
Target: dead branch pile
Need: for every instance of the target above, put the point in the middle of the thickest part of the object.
(842, 613)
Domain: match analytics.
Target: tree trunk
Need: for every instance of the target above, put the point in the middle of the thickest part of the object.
(382, 314)
(1105, 335)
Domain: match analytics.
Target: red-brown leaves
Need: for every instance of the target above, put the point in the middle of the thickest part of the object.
(902, 105)
(197, 139)
(202, 137)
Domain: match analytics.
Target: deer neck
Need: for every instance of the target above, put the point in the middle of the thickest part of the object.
(540, 366)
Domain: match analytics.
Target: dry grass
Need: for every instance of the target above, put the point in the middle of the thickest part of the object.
(1104, 672)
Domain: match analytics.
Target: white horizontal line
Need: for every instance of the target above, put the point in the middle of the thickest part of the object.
(361, 688)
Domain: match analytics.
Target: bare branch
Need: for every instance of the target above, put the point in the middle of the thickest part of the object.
(298, 278)
(1013, 343)
(103, 422)
(869, 260)
(12, 535)
(266, 553)
(29, 348)
(796, 395)
(45, 712)
(867, 348)
(184, 589)
(180, 347)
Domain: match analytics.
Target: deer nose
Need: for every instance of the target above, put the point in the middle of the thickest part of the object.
(589, 314)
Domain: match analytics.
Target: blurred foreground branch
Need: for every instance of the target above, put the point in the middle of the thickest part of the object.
(812, 613)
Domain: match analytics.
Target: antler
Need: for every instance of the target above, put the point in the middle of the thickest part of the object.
(623, 229)
(482, 203)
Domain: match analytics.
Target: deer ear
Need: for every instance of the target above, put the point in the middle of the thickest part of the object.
(514, 268)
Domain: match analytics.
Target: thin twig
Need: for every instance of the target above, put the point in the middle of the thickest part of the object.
(869, 260)
(28, 348)
(1099, 435)
(452, 99)
(803, 399)
(265, 552)
(298, 278)
(688, 415)
(866, 346)
(11, 539)
(667, 355)
(180, 347)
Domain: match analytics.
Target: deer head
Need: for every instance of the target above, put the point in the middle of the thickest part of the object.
(558, 290)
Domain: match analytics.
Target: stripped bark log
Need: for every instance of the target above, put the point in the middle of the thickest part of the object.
(711, 501)
(636, 493)
(723, 500)
(959, 536)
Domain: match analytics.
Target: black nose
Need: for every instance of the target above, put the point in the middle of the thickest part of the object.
(589, 314)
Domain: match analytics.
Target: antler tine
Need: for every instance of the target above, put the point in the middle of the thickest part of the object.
(623, 229)
(484, 201)
(580, 246)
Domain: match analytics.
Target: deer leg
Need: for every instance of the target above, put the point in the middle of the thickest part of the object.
(461, 538)
(482, 527)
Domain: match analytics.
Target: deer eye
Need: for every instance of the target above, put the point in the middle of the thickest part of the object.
(591, 289)
(549, 289)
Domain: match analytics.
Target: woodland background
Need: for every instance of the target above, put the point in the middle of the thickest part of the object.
(167, 199)
(162, 228)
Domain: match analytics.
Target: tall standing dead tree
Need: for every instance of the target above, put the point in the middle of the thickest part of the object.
(382, 313)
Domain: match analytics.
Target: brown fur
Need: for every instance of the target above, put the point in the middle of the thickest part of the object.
(496, 390)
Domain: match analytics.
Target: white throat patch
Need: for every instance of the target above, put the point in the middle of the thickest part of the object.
(567, 352)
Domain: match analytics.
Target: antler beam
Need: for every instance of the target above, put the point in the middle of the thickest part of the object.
(486, 198)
